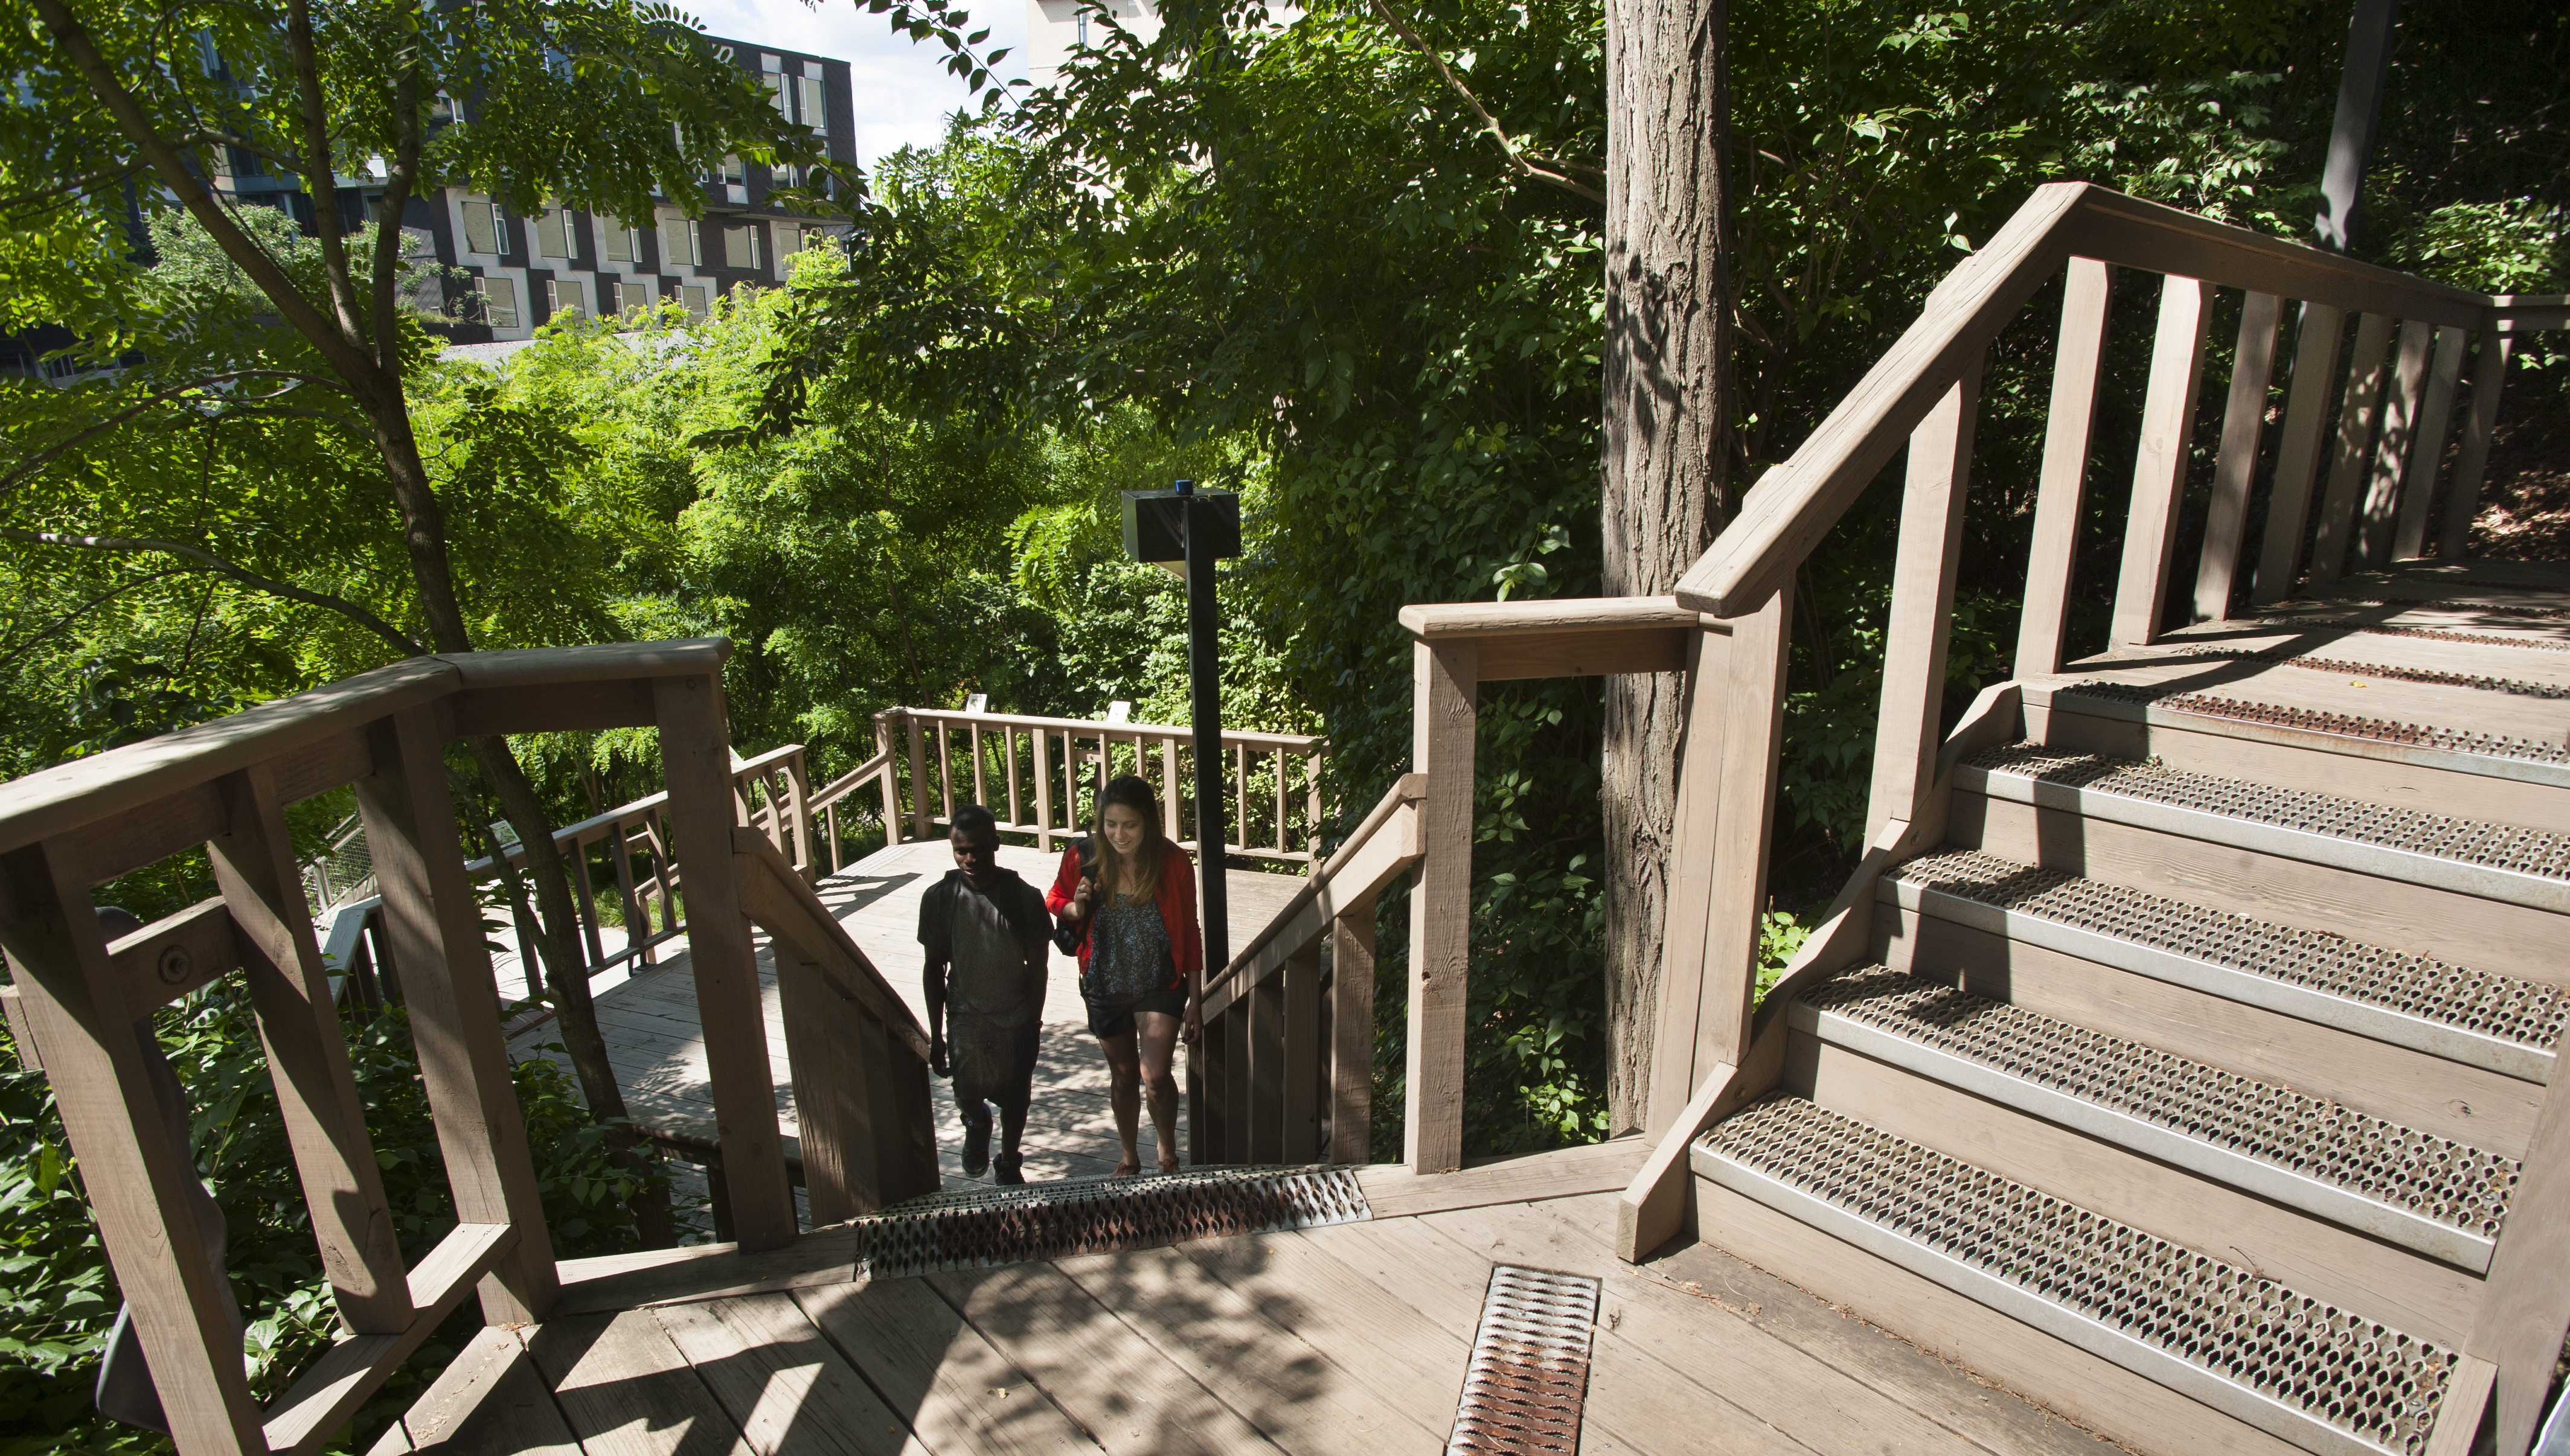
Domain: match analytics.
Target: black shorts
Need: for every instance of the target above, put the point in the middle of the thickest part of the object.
(1114, 1015)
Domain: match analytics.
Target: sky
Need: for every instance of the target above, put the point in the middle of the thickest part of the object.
(903, 90)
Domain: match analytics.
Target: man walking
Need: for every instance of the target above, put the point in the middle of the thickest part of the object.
(986, 932)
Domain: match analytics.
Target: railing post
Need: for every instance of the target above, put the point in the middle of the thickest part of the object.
(920, 814)
(799, 814)
(2356, 417)
(2463, 497)
(1352, 1033)
(1268, 1075)
(2297, 451)
(135, 1174)
(433, 925)
(2253, 365)
(2400, 436)
(1922, 602)
(2085, 294)
(1444, 686)
(694, 753)
(2428, 452)
(891, 781)
(1042, 740)
(2158, 468)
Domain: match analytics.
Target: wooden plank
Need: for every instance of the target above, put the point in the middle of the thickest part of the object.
(1352, 973)
(1369, 1328)
(1299, 1092)
(1393, 1192)
(1762, 647)
(833, 1117)
(1129, 1395)
(624, 1389)
(919, 810)
(2427, 451)
(1547, 617)
(2253, 364)
(2392, 448)
(2297, 451)
(1696, 820)
(960, 1393)
(2463, 495)
(1285, 1386)
(433, 923)
(174, 954)
(552, 707)
(696, 758)
(1922, 602)
(323, 1398)
(2466, 1401)
(781, 1382)
(1583, 655)
(1443, 678)
(2520, 1322)
(2159, 467)
(2064, 482)
(137, 1175)
(2357, 417)
(703, 1272)
(307, 1059)
(489, 1401)
(1265, 1008)
(1044, 789)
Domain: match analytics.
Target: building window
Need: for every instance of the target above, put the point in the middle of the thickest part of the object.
(682, 244)
(734, 172)
(779, 93)
(816, 112)
(741, 248)
(693, 296)
(563, 295)
(555, 235)
(499, 302)
(615, 239)
(485, 230)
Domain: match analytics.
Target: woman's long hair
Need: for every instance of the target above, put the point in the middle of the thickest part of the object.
(1141, 877)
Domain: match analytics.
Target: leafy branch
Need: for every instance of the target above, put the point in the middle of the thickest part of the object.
(209, 562)
(1518, 157)
(26, 469)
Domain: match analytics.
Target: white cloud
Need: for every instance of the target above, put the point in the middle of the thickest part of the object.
(904, 92)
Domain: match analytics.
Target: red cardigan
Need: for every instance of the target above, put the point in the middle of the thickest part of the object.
(1177, 908)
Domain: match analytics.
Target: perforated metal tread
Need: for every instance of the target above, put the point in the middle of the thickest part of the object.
(978, 1228)
(2254, 1349)
(2176, 699)
(2508, 847)
(2426, 1191)
(2525, 1017)
(1528, 1375)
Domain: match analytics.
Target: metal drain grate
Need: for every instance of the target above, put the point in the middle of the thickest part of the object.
(2338, 725)
(2341, 668)
(2434, 635)
(2394, 596)
(2472, 841)
(2526, 1012)
(2449, 1183)
(982, 1227)
(2359, 1378)
(1529, 1370)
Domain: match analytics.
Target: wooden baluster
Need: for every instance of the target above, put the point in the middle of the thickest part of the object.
(1311, 807)
(2159, 467)
(1267, 1073)
(2297, 451)
(638, 927)
(1280, 801)
(798, 813)
(2463, 496)
(891, 784)
(689, 711)
(1043, 741)
(2427, 451)
(2356, 417)
(1923, 596)
(2392, 448)
(830, 827)
(655, 838)
(135, 1174)
(1240, 1061)
(434, 927)
(1352, 1033)
(945, 773)
(1169, 786)
(1444, 688)
(584, 908)
(1206, 1081)
(307, 1056)
(1008, 760)
(919, 811)
(981, 790)
(1299, 1091)
(2253, 366)
(1237, 837)
(2064, 483)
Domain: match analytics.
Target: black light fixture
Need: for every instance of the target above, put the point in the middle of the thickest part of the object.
(1196, 527)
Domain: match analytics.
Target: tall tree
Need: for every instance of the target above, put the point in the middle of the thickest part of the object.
(609, 107)
(1666, 452)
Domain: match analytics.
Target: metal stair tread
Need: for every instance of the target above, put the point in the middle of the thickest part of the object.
(2541, 856)
(2308, 1140)
(2178, 705)
(2242, 1343)
(2505, 1023)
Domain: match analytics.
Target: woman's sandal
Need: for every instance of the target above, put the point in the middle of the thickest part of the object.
(1168, 1166)
(1129, 1168)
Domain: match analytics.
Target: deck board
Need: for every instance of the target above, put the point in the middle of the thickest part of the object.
(627, 1390)
(790, 1394)
(954, 1387)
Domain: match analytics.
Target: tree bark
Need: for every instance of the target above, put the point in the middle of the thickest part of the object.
(1667, 451)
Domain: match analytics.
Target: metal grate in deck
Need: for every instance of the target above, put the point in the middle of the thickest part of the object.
(1528, 1375)
(979, 1227)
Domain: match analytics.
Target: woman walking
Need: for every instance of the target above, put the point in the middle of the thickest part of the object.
(1142, 959)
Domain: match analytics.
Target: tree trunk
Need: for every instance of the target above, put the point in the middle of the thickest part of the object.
(1666, 454)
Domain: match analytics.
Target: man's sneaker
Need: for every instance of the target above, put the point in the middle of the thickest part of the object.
(1007, 1168)
(977, 1149)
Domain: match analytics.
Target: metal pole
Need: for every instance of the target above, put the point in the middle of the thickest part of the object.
(2360, 106)
(1204, 681)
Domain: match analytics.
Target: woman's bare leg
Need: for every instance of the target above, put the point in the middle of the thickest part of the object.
(1124, 1094)
(1159, 1035)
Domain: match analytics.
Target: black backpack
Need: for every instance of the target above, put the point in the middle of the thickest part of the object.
(1070, 935)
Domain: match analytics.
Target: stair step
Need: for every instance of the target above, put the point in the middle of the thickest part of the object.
(2502, 1023)
(2441, 1198)
(2249, 1347)
(2506, 862)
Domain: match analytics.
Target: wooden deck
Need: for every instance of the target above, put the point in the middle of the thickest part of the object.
(1346, 1339)
(657, 1048)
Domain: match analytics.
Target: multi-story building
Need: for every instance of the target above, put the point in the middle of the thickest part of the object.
(1054, 25)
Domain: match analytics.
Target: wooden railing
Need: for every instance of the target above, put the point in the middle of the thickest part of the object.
(1020, 766)
(80, 1005)
(1284, 1072)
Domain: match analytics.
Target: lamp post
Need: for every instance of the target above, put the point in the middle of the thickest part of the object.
(1196, 527)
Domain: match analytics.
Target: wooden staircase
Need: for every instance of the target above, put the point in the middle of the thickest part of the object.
(2185, 1086)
